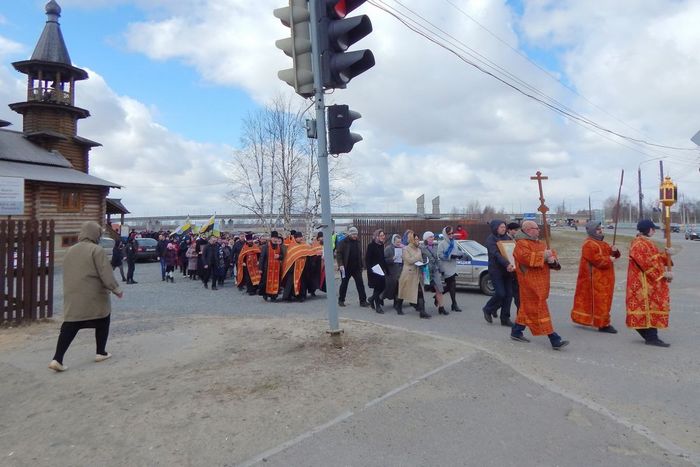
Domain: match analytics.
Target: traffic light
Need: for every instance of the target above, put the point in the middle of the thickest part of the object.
(336, 34)
(298, 46)
(340, 139)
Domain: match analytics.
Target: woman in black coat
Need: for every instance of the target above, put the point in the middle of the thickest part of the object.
(375, 257)
(118, 257)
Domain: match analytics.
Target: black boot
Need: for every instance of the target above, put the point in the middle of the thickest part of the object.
(378, 307)
(371, 302)
(398, 305)
(421, 309)
(443, 311)
(455, 307)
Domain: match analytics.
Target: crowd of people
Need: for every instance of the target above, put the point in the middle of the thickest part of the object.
(401, 269)
(404, 268)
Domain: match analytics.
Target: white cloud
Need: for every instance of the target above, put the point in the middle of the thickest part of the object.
(431, 123)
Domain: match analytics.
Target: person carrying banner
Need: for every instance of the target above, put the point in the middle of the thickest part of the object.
(648, 299)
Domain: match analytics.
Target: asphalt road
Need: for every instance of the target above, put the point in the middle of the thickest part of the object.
(604, 400)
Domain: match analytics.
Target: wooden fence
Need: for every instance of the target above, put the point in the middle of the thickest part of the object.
(26, 270)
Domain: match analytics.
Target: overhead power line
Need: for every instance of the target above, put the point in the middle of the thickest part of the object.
(443, 39)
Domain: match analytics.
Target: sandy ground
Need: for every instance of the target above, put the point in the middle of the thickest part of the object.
(199, 391)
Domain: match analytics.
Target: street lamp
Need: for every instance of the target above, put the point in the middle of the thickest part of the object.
(639, 181)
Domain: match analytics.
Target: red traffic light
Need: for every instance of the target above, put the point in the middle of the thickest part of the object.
(341, 8)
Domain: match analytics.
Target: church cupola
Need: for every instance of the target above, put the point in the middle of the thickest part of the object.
(49, 114)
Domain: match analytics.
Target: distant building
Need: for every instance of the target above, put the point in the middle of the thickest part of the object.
(48, 153)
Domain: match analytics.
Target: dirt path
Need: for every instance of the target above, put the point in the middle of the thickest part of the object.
(195, 391)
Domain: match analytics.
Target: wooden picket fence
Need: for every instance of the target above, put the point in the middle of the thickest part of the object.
(26, 270)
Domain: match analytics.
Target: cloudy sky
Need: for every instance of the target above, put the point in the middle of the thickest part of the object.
(170, 83)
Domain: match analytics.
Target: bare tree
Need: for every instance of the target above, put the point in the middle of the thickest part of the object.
(275, 174)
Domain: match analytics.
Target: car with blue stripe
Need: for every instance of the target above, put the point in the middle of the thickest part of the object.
(473, 269)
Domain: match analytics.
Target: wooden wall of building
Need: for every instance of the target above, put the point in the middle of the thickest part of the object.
(42, 201)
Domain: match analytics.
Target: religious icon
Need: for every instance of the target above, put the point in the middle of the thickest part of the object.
(506, 248)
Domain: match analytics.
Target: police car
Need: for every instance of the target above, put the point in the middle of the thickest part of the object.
(473, 269)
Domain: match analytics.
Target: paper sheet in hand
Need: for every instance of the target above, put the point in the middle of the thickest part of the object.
(377, 269)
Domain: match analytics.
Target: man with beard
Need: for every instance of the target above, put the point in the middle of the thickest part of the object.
(532, 260)
(271, 258)
(349, 258)
(293, 269)
(248, 271)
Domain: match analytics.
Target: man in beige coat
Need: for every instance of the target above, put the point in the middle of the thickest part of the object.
(87, 282)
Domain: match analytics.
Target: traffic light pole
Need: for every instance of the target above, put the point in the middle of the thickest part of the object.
(326, 220)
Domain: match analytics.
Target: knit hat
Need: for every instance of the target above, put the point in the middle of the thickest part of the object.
(645, 225)
(513, 226)
(591, 227)
(352, 230)
(427, 235)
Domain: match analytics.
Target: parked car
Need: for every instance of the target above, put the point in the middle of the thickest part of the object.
(691, 234)
(675, 228)
(146, 249)
(473, 271)
(108, 244)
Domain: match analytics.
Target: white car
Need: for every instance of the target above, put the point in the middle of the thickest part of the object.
(473, 270)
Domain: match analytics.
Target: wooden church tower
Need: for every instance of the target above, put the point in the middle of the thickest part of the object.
(48, 154)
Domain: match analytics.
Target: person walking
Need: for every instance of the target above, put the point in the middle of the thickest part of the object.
(87, 282)
(449, 253)
(192, 256)
(376, 280)
(648, 300)
(411, 280)
(161, 246)
(595, 284)
(271, 259)
(500, 271)
(532, 260)
(131, 249)
(118, 257)
(393, 257)
(349, 259)
(211, 262)
(170, 257)
(511, 230)
(429, 249)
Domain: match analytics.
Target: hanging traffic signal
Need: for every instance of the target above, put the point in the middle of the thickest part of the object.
(298, 46)
(336, 34)
(340, 139)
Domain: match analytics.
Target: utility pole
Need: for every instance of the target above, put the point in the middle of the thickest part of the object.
(641, 196)
(324, 185)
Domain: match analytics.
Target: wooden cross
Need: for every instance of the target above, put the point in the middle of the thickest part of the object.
(543, 207)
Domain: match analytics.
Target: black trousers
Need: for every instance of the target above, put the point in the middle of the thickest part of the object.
(379, 286)
(69, 329)
(130, 266)
(649, 334)
(357, 276)
(451, 286)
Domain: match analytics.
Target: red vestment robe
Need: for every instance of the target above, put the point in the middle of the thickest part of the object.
(249, 254)
(533, 279)
(295, 257)
(595, 285)
(648, 301)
